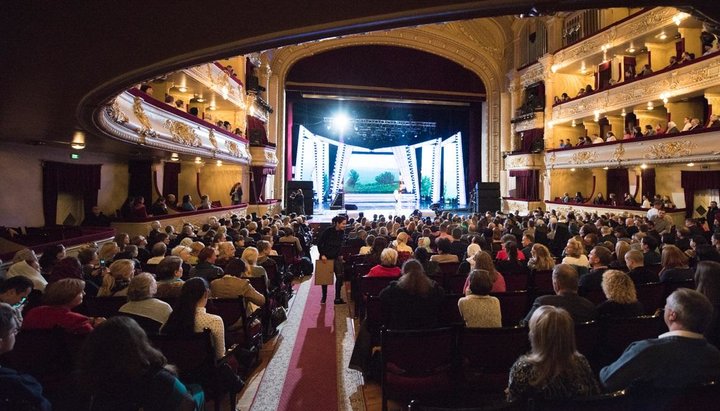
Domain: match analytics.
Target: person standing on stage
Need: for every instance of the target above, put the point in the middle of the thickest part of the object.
(236, 193)
(329, 245)
(299, 202)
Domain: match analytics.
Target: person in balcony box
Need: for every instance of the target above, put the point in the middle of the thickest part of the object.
(596, 139)
(714, 121)
(672, 128)
(649, 131)
(646, 71)
(187, 204)
(629, 200)
(579, 198)
(610, 136)
(205, 203)
(599, 199)
(695, 124)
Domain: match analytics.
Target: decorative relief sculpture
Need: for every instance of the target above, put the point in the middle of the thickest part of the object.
(146, 129)
(583, 157)
(115, 113)
(670, 149)
(232, 148)
(517, 161)
(182, 133)
(619, 153)
(213, 140)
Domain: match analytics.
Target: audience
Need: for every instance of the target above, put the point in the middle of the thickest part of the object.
(58, 301)
(141, 291)
(478, 309)
(621, 296)
(565, 284)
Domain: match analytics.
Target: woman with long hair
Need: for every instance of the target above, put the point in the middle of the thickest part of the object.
(553, 369)
(707, 278)
(483, 261)
(541, 259)
(621, 248)
(674, 265)
(413, 301)
(621, 296)
(574, 254)
(116, 281)
(135, 375)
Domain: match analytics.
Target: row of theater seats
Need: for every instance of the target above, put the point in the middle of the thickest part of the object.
(469, 367)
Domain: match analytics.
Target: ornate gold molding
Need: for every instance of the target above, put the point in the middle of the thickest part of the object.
(619, 153)
(670, 149)
(213, 140)
(532, 75)
(233, 148)
(553, 159)
(146, 129)
(583, 157)
(182, 133)
(115, 113)
(516, 161)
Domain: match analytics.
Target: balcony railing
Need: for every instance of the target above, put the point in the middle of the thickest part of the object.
(135, 117)
(691, 146)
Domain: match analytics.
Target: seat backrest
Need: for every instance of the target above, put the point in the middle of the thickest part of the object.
(542, 281)
(449, 311)
(259, 284)
(654, 268)
(44, 354)
(492, 350)
(361, 269)
(373, 285)
(514, 306)
(587, 336)
(287, 251)
(418, 353)
(672, 286)
(651, 296)
(516, 282)
(448, 268)
(595, 296)
(231, 310)
(103, 306)
(349, 250)
(148, 324)
(617, 333)
(454, 283)
(193, 355)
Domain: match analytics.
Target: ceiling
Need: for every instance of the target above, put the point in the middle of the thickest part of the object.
(62, 60)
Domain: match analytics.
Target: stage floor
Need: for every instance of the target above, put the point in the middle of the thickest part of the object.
(325, 215)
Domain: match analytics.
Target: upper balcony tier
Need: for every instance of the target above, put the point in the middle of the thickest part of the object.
(673, 82)
(137, 118)
(216, 78)
(691, 146)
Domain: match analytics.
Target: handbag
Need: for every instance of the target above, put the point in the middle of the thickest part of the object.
(324, 272)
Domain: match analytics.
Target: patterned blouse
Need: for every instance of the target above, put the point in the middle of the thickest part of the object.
(216, 326)
(519, 388)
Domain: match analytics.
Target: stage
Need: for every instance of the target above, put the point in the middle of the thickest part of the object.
(325, 215)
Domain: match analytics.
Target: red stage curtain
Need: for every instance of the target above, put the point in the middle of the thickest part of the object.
(256, 132)
(474, 170)
(257, 184)
(71, 178)
(527, 184)
(692, 181)
(171, 171)
(648, 182)
(617, 182)
(529, 137)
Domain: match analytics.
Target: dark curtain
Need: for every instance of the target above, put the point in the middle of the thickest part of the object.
(527, 184)
(648, 182)
(604, 75)
(171, 171)
(256, 132)
(692, 181)
(617, 182)
(140, 183)
(679, 48)
(629, 63)
(474, 142)
(530, 138)
(258, 177)
(81, 179)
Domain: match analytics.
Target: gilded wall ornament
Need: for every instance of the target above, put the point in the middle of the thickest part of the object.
(670, 149)
(553, 159)
(146, 129)
(115, 113)
(516, 161)
(619, 153)
(583, 157)
(232, 148)
(213, 140)
(182, 133)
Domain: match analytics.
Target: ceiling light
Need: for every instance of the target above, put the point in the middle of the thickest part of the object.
(643, 166)
(650, 105)
(554, 68)
(623, 113)
(78, 140)
(218, 163)
(200, 99)
(198, 160)
(606, 168)
(174, 157)
(182, 89)
(678, 18)
(573, 123)
(662, 36)
(690, 164)
(572, 169)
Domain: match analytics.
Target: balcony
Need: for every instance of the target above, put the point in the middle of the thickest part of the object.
(214, 77)
(692, 146)
(137, 118)
(264, 156)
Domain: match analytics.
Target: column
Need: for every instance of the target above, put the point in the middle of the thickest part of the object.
(713, 100)
(554, 26)
(692, 40)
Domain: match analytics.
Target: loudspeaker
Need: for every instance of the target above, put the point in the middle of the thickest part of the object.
(307, 188)
(488, 197)
(351, 206)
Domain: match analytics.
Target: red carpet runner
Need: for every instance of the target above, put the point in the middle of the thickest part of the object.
(311, 380)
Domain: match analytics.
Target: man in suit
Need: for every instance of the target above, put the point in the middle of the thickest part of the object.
(638, 273)
(676, 358)
(599, 258)
(565, 284)
(528, 240)
(649, 247)
(231, 285)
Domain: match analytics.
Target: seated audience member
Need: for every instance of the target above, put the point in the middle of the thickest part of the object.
(50, 256)
(564, 97)
(388, 265)
(423, 257)
(136, 375)
(205, 203)
(250, 256)
(553, 369)
(599, 259)
(565, 284)
(206, 267)
(707, 279)
(187, 204)
(596, 139)
(676, 359)
(695, 124)
(599, 199)
(58, 301)
(649, 131)
(17, 391)
(226, 252)
(478, 309)
(541, 259)
(649, 249)
(673, 61)
(138, 208)
(159, 250)
(96, 219)
(574, 255)
(413, 301)
(25, 263)
(289, 237)
(483, 261)
(646, 71)
(445, 254)
(159, 207)
(714, 121)
(141, 301)
(618, 263)
(562, 144)
(686, 57)
(635, 261)
(169, 274)
(130, 253)
(403, 249)
(15, 291)
(107, 253)
(621, 296)
(68, 267)
(170, 199)
(232, 285)
(141, 243)
(369, 241)
(579, 198)
(672, 128)
(116, 281)
(675, 265)
(637, 132)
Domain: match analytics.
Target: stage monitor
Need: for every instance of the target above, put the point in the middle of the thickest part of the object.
(372, 173)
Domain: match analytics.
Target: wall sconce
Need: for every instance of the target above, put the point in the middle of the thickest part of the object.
(78, 140)
(174, 157)
(218, 163)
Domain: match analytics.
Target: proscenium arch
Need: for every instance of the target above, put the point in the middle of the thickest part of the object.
(457, 50)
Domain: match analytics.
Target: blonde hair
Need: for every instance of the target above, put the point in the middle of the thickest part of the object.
(552, 341)
(250, 255)
(574, 248)
(108, 251)
(63, 291)
(402, 238)
(619, 287)
(621, 248)
(388, 257)
(122, 269)
(543, 260)
(226, 249)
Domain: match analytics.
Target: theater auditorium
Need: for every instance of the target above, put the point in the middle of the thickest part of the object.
(427, 205)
